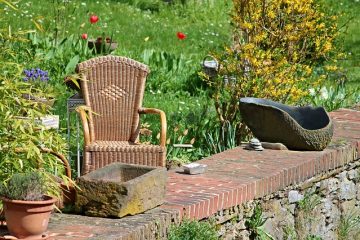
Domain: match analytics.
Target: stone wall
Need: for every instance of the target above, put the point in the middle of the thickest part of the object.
(319, 207)
(301, 193)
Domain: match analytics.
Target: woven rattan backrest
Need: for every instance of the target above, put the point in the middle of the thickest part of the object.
(114, 88)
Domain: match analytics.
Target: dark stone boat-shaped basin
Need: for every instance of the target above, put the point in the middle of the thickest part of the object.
(298, 128)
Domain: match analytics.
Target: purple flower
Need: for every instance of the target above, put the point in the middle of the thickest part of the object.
(36, 75)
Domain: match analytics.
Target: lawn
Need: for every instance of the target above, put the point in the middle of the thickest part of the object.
(350, 37)
(147, 31)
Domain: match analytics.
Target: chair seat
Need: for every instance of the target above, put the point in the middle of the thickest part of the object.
(122, 146)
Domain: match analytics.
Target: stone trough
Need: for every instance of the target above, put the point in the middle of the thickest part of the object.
(120, 189)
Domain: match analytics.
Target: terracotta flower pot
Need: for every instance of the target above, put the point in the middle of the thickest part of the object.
(28, 219)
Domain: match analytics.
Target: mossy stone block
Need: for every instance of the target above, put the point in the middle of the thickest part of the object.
(121, 189)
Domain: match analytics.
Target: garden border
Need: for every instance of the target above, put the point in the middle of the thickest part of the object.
(233, 178)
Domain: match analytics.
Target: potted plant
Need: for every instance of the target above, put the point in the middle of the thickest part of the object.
(27, 206)
(102, 44)
(28, 147)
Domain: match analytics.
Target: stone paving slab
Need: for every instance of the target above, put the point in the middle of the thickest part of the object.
(233, 177)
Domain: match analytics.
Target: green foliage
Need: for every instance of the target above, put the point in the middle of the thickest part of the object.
(25, 186)
(309, 202)
(334, 97)
(349, 224)
(21, 136)
(289, 233)
(192, 230)
(169, 71)
(221, 140)
(313, 237)
(193, 113)
(255, 224)
(175, 152)
(350, 20)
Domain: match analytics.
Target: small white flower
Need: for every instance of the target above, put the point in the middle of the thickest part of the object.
(312, 91)
(84, 4)
(324, 93)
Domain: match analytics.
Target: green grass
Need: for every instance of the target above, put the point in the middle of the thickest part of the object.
(206, 24)
(349, 18)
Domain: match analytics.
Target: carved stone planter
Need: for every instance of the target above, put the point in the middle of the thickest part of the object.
(298, 128)
(118, 189)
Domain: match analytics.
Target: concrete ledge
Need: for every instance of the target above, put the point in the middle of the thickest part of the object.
(233, 177)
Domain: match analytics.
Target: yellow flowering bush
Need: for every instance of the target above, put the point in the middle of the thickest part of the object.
(276, 45)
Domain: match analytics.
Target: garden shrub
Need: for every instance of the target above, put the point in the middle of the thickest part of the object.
(21, 136)
(277, 44)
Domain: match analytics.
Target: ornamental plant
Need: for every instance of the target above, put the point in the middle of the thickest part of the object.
(25, 186)
(39, 82)
(277, 44)
(21, 140)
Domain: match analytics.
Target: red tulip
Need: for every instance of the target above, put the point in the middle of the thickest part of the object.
(84, 36)
(94, 19)
(180, 35)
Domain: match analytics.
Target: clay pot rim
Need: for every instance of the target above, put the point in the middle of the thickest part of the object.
(48, 200)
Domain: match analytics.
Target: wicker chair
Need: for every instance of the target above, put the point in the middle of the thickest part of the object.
(113, 89)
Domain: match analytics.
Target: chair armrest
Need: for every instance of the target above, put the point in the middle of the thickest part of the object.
(162, 122)
(52, 152)
(83, 113)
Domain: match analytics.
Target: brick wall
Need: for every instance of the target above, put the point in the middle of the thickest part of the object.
(234, 180)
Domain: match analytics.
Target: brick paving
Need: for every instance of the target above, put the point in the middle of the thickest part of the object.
(233, 177)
